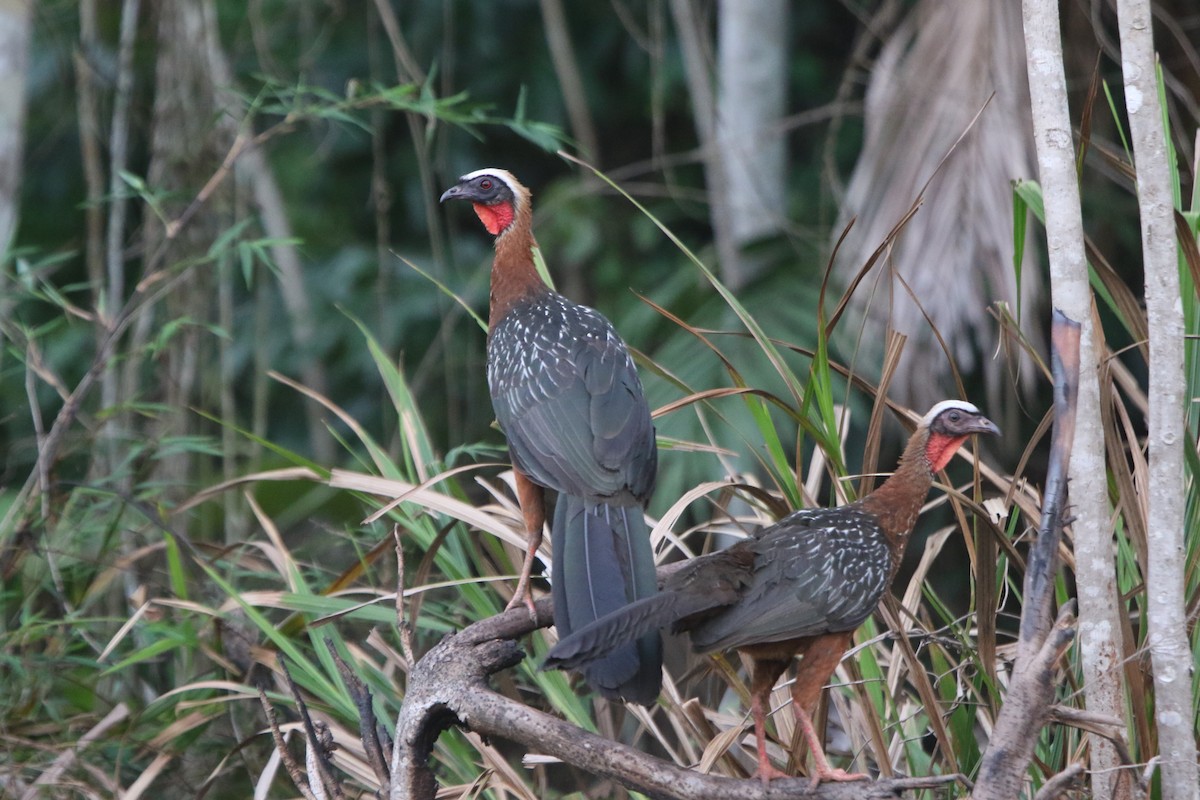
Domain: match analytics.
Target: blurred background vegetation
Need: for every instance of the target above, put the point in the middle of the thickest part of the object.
(229, 261)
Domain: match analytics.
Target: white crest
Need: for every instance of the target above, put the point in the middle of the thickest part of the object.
(945, 404)
(509, 179)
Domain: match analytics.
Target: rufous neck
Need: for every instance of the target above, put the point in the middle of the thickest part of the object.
(897, 502)
(514, 276)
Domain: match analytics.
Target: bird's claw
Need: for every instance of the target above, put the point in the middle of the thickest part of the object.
(836, 775)
(766, 773)
(523, 597)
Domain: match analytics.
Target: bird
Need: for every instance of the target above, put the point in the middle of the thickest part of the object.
(567, 396)
(799, 587)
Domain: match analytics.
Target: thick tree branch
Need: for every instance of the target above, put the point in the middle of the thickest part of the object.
(448, 686)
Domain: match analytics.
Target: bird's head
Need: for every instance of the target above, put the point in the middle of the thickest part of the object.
(949, 423)
(495, 194)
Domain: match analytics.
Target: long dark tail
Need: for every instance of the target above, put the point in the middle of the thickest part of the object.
(617, 629)
(603, 562)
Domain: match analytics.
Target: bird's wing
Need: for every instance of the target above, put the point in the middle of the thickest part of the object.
(568, 397)
(816, 571)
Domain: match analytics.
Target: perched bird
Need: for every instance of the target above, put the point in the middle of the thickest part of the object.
(567, 396)
(799, 587)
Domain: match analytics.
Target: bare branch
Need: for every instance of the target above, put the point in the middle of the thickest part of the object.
(317, 741)
(1060, 783)
(1043, 557)
(448, 686)
(294, 770)
(1031, 692)
(368, 725)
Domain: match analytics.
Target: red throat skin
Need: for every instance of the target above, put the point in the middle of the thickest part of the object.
(941, 448)
(496, 218)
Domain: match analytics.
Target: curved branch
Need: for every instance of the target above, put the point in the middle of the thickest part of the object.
(448, 686)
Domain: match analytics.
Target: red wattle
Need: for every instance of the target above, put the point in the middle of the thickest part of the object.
(941, 449)
(495, 218)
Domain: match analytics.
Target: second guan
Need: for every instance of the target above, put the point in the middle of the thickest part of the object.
(568, 398)
(799, 587)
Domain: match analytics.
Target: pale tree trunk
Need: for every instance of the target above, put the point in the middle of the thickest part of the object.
(583, 128)
(15, 25)
(562, 55)
(254, 170)
(186, 148)
(697, 63)
(110, 290)
(1167, 615)
(752, 65)
(1094, 567)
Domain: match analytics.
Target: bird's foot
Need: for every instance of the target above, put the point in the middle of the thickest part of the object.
(828, 773)
(766, 773)
(523, 597)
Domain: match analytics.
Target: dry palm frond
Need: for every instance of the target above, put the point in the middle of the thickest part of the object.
(931, 79)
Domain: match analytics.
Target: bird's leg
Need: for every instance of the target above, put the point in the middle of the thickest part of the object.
(821, 657)
(821, 769)
(533, 509)
(765, 772)
(763, 674)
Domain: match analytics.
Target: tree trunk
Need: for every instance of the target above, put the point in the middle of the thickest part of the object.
(15, 25)
(1166, 554)
(1100, 652)
(752, 64)
(692, 39)
(186, 148)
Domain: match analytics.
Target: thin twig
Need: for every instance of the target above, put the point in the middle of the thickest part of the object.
(402, 623)
(368, 725)
(294, 770)
(317, 741)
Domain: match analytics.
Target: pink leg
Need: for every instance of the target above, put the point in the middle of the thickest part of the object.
(821, 769)
(522, 595)
(820, 657)
(766, 772)
(533, 509)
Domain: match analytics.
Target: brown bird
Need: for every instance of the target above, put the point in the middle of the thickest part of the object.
(797, 588)
(567, 396)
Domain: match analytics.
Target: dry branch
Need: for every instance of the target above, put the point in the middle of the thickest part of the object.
(1030, 694)
(448, 686)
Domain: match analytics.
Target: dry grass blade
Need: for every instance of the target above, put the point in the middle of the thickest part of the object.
(919, 678)
(64, 761)
(699, 333)
(662, 528)
(148, 776)
(429, 499)
(893, 351)
(286, 474)
(1190, 248)
(426, 484)
(719, 746)
(1128, 302)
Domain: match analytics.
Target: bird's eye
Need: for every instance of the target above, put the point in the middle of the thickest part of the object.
(955, 416)
(485, 184)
